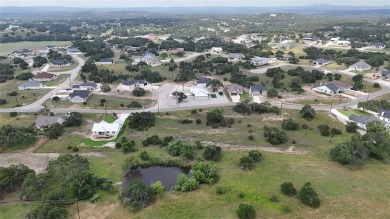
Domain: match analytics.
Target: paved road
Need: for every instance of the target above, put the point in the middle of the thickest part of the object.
(37, 105)
(165, 90)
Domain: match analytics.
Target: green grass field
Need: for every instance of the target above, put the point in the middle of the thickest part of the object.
(6, 48)
(348, 112)
(57, 81)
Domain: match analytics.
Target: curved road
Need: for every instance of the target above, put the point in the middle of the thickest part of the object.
(165, 90)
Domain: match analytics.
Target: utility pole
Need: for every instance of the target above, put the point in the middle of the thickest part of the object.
(365, 86)
(77, 204)
(105, 108)
(281, 107)
(16, 98)
(331, 105)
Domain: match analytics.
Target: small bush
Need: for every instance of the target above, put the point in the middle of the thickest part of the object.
(152, 140)
(286, 209)
(288, 189)
(273, 198)
(69, 147)
(144, 155)
(335, 131)
(221, 190)
(376, 85)
(198, 121)
(308, 196)
(75, 149)
(138, 92)
(246, 211)
(304, 126)
(186, 121)
(194, 111)
(220, 93)
(13, 114)
(198, 145)
(250, 137)
(241, 195)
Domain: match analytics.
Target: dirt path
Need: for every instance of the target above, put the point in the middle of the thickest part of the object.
(290, 150)
(35, 161)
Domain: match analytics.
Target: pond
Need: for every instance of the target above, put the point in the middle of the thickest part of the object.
(150, 175)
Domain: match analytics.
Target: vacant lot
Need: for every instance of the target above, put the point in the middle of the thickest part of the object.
(6, 48)
(24, 97)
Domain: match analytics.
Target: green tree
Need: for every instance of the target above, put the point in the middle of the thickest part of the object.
(246, 211)
(25, 76)
(215, 118)
(215, 84)
(137, 195)
(296, 84)
(158, 187)
(89, 66)
(274, 135)
(272, 92)
(180, 96)
(205, 173)
(307, 112)
(138, 92)
(352, 152)
(290, 124)
(23, 65)
(54, 131)
(293, 60)
(308, 196)
(246, 163)
(142, 120)
(288, 189)
(213, 153)
(256, 155)
(351, 127)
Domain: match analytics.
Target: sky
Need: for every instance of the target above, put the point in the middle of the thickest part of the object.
(186, 3)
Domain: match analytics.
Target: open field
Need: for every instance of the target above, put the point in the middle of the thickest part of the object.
(384, 97)
(6, 48)
(24, 97)
(22, 120)
(334, 66)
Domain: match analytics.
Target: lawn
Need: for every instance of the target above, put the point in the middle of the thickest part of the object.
(22, 120)
(334, 66)
(13, 211)
(6, 48)
(358, 112)
(57, 81)
(245, 96)
(24, 97)
(109, 119)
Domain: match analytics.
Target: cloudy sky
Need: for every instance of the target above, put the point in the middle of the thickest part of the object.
(188, 3)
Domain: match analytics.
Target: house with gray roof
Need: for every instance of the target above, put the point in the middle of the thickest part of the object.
(43, 76)
(321, 61)
(360, 66)
(362, 121)
(133, 83)
(328, 88)
(378, 45)
(234, 57)
(384, 115)
(30, 85)
(59, 63)
(258, 61)
(385, 73)
(79, 96)
(235, 89)
(72, 50)
(106, 61)
(150, 59)
(44, 122)
(202, 81)
(258, 90)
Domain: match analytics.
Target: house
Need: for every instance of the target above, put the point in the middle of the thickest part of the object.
(235, 91)
(43, 76)
(378, 45)
(226, 39)
(258, 90)
(150, 59)
(104, 129)
(20, 53)
(385, 74)
(321, 61)
(258, 61)
(286, 56)
(362, 121)
(177, 51)
(384, 115)
(86, 86)
(30, 85)
(105, 61)
(216, 49)
(79, 96)
(328, 88)
(44, 122)
(234, 57)
(199, 92)
(360, 66)
(59, 63)
(334, 39)
(72, 50)
(202, 82)
(282, 46)
(133, 83)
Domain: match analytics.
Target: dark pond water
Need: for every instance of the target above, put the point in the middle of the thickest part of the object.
(150, 175)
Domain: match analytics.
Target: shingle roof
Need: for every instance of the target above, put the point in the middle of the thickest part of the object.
(258, 88)
(31, 83)
(88, 84)
(234, 55)
(80, 93)
(378, 44)
(361, 65)
(60, 62)
(203, 80)
(106, 60)
(133, 81)
(331, 86)
(234, 88)
(321, 61)
(43, 75)
(362, 119)
(46, 121)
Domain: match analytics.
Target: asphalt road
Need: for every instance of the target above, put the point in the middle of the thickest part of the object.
(167, 89)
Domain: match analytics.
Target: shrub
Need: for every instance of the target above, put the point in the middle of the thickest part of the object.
(246, 163)
(75, 149)
(142, 120)
(221, 190)
(290, 124)
(273, 198)
(13, 114)
(128, 146)
(256, 155)
(194, 111)
(274, 135)
(205, 173)
(307, 112)
(158, 187)
(304, 126)
(308, 196)
(286, 209)
(144, 155)
(138, 92)
(241, 195)
(335, 131)
(324, 129)
(166, 140)
(186, 121)
(213, 153)
(287, 188)
(134, 104)
(246, 211)
(198, 145)
(152, 140)
(250, 137)
(351, 127)
(3, 101)
(198, 121)
(376, 85)
(184, 184)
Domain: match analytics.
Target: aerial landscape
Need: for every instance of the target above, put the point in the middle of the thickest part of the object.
(205, 109)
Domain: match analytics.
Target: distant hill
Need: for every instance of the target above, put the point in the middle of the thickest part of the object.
(320, 9)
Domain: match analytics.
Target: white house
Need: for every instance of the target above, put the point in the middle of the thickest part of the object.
(199, 92)
(132, 83)
(44, 76)
(105, 61)
(150, 59)
(104, 129)
(79, 96)
(234, 57)
(321, 61)
(343, 42)
(202, 82)
(258, 61)
(30, 85)
(216, 49)
(90, 86)
(44, 122)
(59, 63)
(328, 88)
(360, 66)
(378, 45)
(72, 50)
